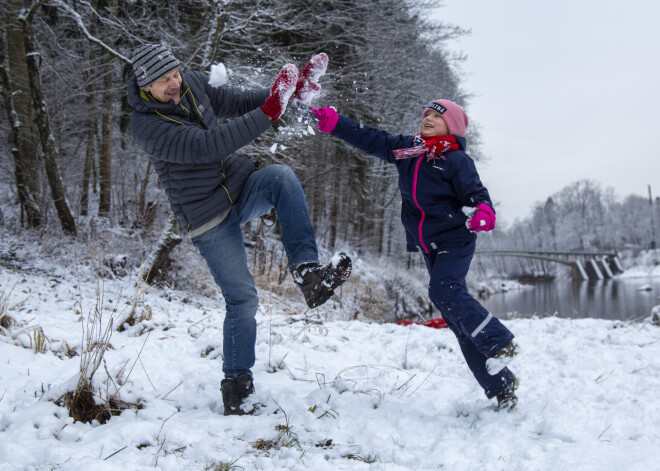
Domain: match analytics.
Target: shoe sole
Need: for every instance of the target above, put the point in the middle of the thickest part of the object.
(338, 271)
(340, 268)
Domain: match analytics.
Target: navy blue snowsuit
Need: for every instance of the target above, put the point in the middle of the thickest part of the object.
(433, 194)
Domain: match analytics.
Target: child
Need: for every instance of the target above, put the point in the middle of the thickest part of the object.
(437, 179)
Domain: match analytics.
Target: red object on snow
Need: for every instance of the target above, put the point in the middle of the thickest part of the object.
(437, 323)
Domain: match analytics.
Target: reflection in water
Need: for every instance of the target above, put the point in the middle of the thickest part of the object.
(608, 299)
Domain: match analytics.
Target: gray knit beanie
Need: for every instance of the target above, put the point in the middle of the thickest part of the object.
(151, 62)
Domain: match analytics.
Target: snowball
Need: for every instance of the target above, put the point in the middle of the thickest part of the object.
(218, 75)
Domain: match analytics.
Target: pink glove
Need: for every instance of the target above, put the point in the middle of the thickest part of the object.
(307, 87)
(283, 88)
(483, 219)
(328, 118)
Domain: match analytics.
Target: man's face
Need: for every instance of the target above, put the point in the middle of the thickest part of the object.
(166, 88)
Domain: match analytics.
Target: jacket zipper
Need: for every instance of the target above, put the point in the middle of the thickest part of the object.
(414, 194)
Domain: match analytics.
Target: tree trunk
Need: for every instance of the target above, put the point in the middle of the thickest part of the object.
(88, 168)
(88, 176)
(379, 227)
(146, 210)
(390, 231)
(19, 111)
(143, 190)
(161, 254)
(48, 146)
(105, 160)
(334, 213)
(108, 105)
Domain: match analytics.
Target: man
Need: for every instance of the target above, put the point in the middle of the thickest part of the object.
(213, 190)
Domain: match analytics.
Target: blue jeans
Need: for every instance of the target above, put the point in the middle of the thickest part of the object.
(479, 334)
(275, 186)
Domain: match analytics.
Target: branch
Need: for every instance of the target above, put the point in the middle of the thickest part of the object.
(30, 12)
(110, 22)
(79, 21)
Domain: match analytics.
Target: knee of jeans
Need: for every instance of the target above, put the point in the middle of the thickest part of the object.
(285, 181)
(285, 175)
(252, 303)
(244, 306)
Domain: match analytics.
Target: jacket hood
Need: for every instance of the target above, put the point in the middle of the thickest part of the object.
(462, 143)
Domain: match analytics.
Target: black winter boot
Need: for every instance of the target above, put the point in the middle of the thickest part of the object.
(507, 399)
(317, 282)
(234, 393)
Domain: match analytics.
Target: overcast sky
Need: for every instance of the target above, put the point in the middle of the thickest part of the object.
(563, 91)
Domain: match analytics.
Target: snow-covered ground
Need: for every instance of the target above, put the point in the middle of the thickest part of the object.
(336, 393)
(643, 264)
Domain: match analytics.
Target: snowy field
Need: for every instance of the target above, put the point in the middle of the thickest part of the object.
(334, 394)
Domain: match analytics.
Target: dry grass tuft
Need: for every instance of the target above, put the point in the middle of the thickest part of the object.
(96, 334)
(32, 337)
(6, 322)
(133, 317)
(83, 408)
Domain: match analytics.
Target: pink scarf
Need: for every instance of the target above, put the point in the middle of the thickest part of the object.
(432, 147)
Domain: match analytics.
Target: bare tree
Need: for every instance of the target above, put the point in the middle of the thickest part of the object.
(16, 92)
(46, 137)
(383, 68)
(105, 161)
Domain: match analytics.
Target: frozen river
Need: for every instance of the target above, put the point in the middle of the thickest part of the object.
(619, 298)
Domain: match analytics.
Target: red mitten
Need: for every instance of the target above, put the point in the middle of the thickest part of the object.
(483, 219)
(328, 118)
(283, 88)
(307, 87)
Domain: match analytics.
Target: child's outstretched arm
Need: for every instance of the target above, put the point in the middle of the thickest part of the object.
(371, 140)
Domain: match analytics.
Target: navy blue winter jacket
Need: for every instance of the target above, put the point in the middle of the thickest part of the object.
(433, 192)
(192, 153)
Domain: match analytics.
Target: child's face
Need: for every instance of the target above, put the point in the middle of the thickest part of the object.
(433, 124)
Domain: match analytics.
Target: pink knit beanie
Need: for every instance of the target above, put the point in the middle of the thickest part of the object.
(454, 116)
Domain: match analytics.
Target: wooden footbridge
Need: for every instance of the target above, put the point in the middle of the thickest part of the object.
(584, 265)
